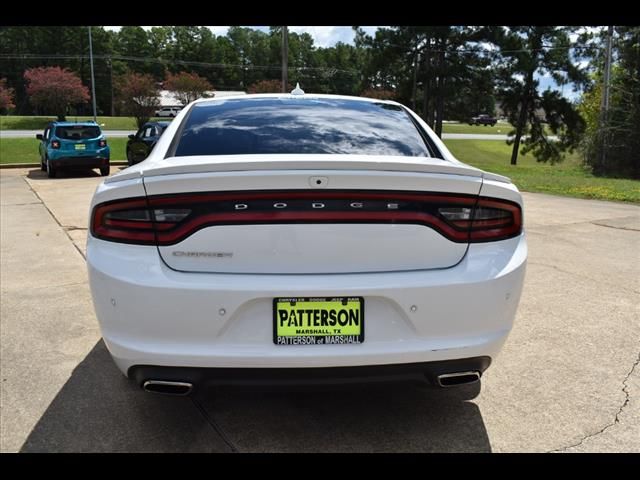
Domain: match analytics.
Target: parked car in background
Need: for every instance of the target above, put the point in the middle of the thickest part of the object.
(304, 238)
(140, 144)
(168, 111)
(483, 119)
(73, 145)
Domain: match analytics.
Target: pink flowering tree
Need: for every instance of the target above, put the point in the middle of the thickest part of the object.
(54, 89)
(6, 96)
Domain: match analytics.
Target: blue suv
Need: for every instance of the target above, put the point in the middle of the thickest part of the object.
(73, 145)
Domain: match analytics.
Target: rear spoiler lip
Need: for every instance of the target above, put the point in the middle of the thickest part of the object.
(231, 163)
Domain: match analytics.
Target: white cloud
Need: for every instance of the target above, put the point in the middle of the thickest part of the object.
(329, 36)
(219, 30)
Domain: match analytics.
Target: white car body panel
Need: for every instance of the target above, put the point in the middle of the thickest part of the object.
(426, 298)
(151, 314)
(325, 248)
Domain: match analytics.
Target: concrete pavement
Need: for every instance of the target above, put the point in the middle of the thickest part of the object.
(567, 379)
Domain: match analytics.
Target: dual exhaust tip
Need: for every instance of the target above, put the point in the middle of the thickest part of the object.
(457, 378)
(185, 388)
(180, 389)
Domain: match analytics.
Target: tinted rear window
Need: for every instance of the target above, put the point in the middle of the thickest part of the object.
(305, 125)
(77, 132)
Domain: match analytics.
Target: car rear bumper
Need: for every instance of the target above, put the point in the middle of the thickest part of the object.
(404, 372)
(80, 162)
(152, 315)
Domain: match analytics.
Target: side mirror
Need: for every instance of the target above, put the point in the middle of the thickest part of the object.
(39, 136)
(132, 136)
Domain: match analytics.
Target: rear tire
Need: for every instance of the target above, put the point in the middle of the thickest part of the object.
(51, 171)
(104, 171)
(129, 158)
(43, 165)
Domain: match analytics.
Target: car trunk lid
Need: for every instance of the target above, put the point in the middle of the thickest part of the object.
(307, 214)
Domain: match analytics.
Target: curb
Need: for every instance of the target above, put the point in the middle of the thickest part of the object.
(37, 165)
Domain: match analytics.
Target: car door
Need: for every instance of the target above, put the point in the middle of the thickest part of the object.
(135, 144)
(145, 140)
(44, 142)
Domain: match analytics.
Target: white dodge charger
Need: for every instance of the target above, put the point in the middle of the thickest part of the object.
(303, 238)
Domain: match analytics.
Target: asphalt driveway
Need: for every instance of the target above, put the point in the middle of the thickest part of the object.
(567, 379)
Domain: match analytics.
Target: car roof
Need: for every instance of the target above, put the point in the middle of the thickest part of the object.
(290, 96)
(89, 123)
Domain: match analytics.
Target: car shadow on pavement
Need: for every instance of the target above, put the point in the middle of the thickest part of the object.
(37, 174)
(382, 418)
(99, 410)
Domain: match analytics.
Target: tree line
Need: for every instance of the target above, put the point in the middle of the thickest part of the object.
(441, 72)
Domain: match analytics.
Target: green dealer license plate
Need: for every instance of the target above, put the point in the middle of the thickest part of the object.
(81, 146)
(318, 321)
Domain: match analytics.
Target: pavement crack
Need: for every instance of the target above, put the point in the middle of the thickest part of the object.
(73, 227)
(214, 425)
(580, 222)
(70, 284)
(55, 218)
(20, 204)
(616, 419)
(616, 228)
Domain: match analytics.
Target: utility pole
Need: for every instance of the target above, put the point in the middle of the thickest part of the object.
(415, 79)
(604, 107)
(93, 79)
(110, 61)
(285, 58)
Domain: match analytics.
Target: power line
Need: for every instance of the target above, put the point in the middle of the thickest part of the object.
(27, 56)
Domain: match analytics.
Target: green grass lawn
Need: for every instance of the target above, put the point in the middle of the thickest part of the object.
(13, 122)
(501, 128)
(566, 178)
(25, 150)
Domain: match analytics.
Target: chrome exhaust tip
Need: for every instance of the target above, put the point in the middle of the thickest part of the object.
(168, 388)
(458, 378)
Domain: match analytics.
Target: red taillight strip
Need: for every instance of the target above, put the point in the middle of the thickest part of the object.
(128, 224)
(125, 236)
(255, 218)
(497, 222)
(138, 225)
(144, 232)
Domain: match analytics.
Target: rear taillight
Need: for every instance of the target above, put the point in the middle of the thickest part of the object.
(55, 144)
(131, 221)
(102, 143)
(489, 220)
(167, 220)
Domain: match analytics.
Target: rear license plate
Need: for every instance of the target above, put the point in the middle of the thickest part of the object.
(318, 321)
(81, 146)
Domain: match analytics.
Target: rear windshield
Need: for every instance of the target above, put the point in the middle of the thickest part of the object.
(77, 132)
(304, 125)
